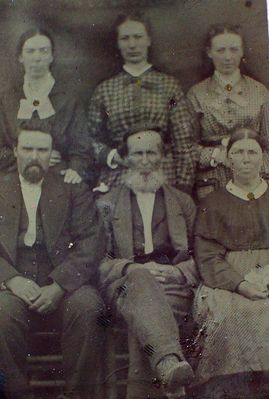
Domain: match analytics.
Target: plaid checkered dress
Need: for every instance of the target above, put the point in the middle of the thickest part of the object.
(220, 111)
(156, 98)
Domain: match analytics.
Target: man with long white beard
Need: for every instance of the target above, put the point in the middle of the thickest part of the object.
(148, 272)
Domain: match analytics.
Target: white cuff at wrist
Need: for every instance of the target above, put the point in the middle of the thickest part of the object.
(109, 160)
(3, 287)
(213, 161)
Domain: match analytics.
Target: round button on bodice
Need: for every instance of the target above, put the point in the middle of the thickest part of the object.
(229, 87)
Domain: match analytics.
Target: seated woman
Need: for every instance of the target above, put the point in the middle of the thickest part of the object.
(41, 97)
(232, 254)
(223, 101)
(141, 93)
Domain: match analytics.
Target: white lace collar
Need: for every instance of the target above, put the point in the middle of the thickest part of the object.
(238, 192)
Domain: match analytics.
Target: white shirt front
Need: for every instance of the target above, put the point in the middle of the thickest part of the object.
(146, 205)
(31, 195)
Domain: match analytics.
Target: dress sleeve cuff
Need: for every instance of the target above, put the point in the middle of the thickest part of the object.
(213, 161)
(110, 159)
(205, 156)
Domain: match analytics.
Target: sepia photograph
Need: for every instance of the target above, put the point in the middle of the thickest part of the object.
(134, 199)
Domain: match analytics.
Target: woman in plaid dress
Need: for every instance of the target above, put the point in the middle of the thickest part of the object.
(224, 100)
(140, 94)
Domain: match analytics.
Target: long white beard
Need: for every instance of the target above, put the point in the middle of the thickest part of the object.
(140, 183)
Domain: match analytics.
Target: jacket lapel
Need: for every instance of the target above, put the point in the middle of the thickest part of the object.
(175, 219)
(159, 211)
(122, 223)
(10, 209)
(54, 207)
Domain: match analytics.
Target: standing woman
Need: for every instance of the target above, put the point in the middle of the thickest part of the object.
(41, 97)
(223, 101)
(140, 94)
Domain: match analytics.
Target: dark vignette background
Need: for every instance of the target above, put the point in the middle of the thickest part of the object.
(85, 53)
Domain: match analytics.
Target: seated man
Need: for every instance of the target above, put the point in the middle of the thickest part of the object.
(50, 248)
(148, 225)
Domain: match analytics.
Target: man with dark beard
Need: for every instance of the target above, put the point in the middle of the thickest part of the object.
(148, 271)
(50, 248)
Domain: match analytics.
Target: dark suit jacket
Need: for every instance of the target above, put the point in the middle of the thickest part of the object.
(67, 126)
(73, 232)
(117, 214)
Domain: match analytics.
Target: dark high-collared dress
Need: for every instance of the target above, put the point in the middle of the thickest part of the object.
(220, 111)
(152, 98)
(232, 240)
(67, 127)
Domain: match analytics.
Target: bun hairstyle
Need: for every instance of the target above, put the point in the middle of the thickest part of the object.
(32, 33)
(241, 133)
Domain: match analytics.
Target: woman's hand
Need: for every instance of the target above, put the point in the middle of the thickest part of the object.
(117, 159)
(251, 292)
(220, 156)
(71, 176)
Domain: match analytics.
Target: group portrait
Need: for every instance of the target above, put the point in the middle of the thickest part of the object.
(134, 199)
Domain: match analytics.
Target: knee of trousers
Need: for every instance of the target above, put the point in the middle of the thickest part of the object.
(13, 317)
(7, 323)
(84, 305)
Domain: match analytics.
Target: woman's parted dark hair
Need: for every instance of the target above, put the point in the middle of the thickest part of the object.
(241, 133)
(136, 16)
(32, 33)
(218, 29)
(213, 31)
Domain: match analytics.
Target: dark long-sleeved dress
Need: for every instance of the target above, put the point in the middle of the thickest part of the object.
(67, 126)
(232, 240)
(152, 98)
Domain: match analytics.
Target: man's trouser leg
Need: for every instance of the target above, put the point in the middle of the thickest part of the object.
(14, 328)
(149, 317)
(82, 340)
(147, 309)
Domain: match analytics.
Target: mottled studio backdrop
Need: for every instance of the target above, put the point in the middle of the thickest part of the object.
(84, 48)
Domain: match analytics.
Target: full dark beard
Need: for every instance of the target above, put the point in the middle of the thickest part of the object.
(33, 173)
(150, 183)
